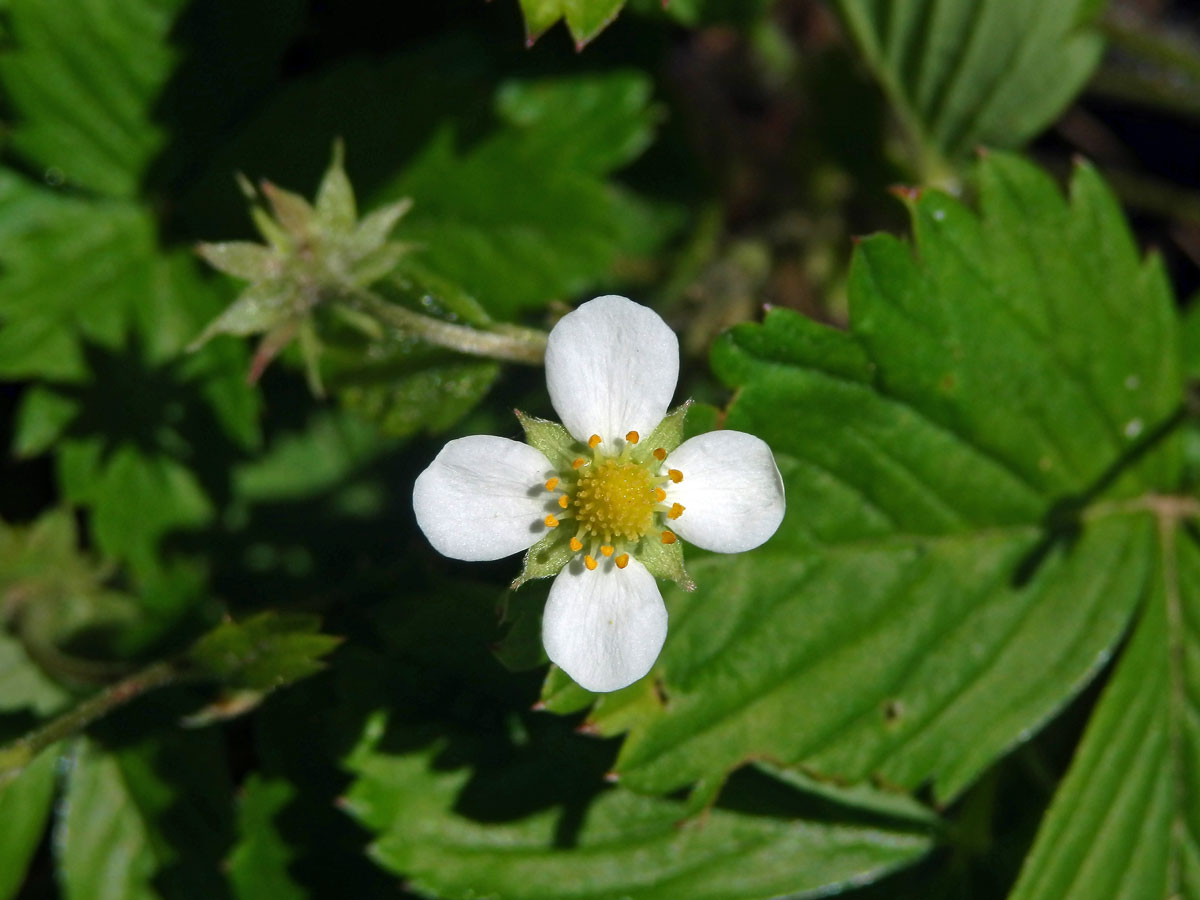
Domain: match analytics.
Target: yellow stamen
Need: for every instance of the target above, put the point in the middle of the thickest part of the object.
(594, 441)
(551, 522)
(606, 549)
(552, 483)
(590, 563)
(660, 454)
(576, 545)
(563, 501)
(622, 561)
(633, 437)
(580, 462)
(615, 499)
(676, 511)
(675, 475)
(668, 537)
(660, 495)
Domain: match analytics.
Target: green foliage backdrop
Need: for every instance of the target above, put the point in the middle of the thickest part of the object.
(231, 666)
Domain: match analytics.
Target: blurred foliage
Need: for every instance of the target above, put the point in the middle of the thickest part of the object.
(966, 666)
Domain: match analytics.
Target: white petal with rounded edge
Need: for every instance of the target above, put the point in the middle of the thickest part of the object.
(731, 491)
(611, 368)
(604, 628)
(483, 497)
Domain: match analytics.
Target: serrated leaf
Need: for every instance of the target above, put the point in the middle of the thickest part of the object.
(260, 861)
(56, 599)
(83, 77)
(145, 821)
(42, 418)
(406, 388)
(961, 75)
(962, 549)
(621, 844)
(585, 18)
(1125, 822)
(94, 309)
(264, 652)
(526, 215)
(25, 807)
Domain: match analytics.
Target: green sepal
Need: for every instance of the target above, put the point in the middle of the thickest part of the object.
(259, 309)
(546, 557)
(554, 441)
(664, 560)
(241, 259)
(334, 207)
(668, 435)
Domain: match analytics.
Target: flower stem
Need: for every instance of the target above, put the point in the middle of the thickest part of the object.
(512, 344)
(18, 754)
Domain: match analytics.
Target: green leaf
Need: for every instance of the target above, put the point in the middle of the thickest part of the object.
(585, 18)
(146, 821)
(526, 215)
(258, 866)
(25, 807)
(961, 75)
(83, 77)
(618, 844)
(964, 545)
(1126, 820)
(56, 599)
(90, 305)
(406, 387)
(264, 652)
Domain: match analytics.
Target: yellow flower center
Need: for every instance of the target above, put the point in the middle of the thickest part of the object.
(615, 499)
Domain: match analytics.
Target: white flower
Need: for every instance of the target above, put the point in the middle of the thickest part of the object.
(603, 504)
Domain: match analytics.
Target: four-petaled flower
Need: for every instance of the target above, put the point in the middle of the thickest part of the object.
(602, 501)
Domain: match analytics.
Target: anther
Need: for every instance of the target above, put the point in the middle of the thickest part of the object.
(594, 441)
(633, 437)
(676, 511)
(675, 475)
(552, 483)
(660, 454)
(668, 537)
(590, 563)
(606, 549)
(579, 463)
(622, 561)
(563, 501)
(576, 545)
(659, 494)
(551, 522)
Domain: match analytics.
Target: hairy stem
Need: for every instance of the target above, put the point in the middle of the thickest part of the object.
(18, 754)
(512, 344)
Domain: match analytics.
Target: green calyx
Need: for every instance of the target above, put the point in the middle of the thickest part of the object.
(595, 520)
(314, 253)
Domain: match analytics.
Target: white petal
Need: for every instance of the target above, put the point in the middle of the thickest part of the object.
(483, 497)
(611, 367)
(731, 491)
(604, 628)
